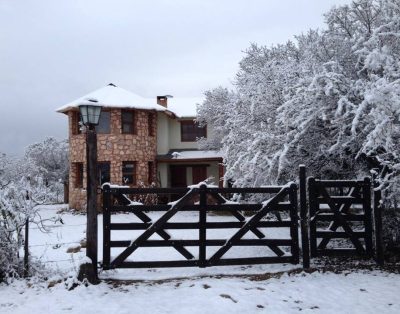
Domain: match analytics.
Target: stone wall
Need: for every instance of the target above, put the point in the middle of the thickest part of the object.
(115, 148)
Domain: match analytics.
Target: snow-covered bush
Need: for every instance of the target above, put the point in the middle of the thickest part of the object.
(329, 100)
(20, 194)
(49, 160)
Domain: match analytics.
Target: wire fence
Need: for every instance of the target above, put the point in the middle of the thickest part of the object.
(57, 226)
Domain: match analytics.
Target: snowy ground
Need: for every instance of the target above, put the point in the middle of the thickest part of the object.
(234, 289)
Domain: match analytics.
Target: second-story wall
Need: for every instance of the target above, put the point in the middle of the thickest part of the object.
(175, 136)
(162, 133)
(169, 134)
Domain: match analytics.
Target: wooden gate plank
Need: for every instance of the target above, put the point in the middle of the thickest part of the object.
(242, 231)
(334, 225)
(253, 229)
(156, 226)
(342, 222)
(146, 219)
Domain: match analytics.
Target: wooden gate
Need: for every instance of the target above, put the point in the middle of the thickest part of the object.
(340, 209)
(204, 201)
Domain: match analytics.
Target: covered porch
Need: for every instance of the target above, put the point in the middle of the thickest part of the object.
(181, 168)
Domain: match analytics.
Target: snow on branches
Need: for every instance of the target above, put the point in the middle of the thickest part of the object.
(26, 183)
(330, 100)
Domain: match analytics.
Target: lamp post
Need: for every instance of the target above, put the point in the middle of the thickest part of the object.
(90, 114)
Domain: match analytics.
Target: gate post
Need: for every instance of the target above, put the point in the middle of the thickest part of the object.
(294, 225)
(312, 207)
(378, 223)
(305, 243)
(106, 226)
(368, 216)
(202, 225)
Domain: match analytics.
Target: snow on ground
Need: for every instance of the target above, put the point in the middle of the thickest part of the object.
(373, 292)
(181, 290)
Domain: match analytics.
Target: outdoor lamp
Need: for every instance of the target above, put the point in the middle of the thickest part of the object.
(90, 112)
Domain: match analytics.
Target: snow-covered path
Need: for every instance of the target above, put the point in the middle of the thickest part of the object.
(372, 292)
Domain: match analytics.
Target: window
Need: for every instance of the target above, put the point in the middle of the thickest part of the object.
(103, 172)
(127, 122)
(104, 123)
(129, 172)
(78, 168)
(150, 123)
(75, 123)
(150, 167)
(191, 130)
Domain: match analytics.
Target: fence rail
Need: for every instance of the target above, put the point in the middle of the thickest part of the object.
(343, 212)
(202, 200)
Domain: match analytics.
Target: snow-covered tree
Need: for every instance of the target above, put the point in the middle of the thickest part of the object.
(330, 100)
(49, 160)
(20, 195)
(50, 157)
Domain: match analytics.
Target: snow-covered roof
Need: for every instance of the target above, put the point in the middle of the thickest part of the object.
(190, 155)
(184, 107)
(117, 97)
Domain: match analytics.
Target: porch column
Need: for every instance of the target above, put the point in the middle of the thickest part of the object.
(220, 175)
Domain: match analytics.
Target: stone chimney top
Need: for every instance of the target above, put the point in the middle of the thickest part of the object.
(163, 100)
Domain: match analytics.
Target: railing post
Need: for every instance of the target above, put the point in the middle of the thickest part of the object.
(312, 211)
(106, 226)
(378, 224)
(294, 226)
(305, 242)
(367, 216)
(202, 225)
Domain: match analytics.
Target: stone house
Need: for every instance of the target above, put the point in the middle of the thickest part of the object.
(140, 142)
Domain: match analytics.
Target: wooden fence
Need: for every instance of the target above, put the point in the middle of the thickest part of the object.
(336, 217)
(203, 200)
(340, 209)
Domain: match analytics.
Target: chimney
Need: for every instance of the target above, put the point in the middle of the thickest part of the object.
(163, 100)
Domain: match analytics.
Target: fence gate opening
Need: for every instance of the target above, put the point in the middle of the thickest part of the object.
(218, 230)
(340, 217)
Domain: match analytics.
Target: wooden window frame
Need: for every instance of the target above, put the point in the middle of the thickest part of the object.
(192, 123)
(75, 119)
(98, 170)
(133, 174)
(79, 173)
(150, 172)
(150, 123)
(133, 122)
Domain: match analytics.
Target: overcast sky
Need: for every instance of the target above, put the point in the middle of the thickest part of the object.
(52, 52)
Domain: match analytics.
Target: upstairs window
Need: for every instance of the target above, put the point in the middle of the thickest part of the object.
(104, 123)
(75, 123)
(190, 131)
(103, 172)
(150, 123)
(127, 122)
(129, 172)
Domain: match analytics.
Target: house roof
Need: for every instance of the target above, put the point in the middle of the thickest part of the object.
(176, 155)
(184, 107)
(117, 97)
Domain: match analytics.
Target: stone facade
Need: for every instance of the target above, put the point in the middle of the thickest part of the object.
(115, 148)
